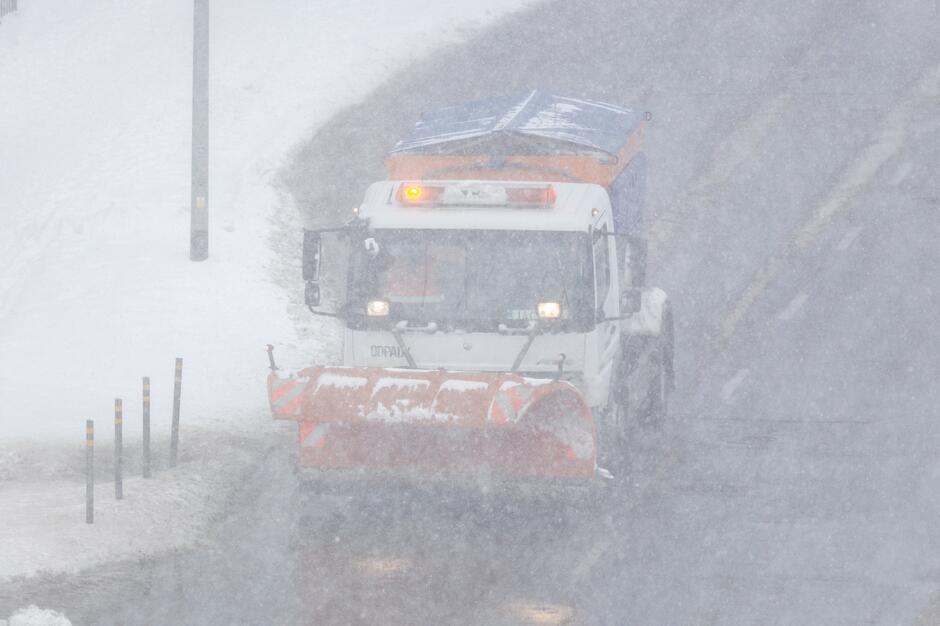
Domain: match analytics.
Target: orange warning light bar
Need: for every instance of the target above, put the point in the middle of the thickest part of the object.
(414, 193)
(543, 196)
(478, 193)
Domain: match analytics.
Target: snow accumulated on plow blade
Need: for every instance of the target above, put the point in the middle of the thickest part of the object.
(352, 417)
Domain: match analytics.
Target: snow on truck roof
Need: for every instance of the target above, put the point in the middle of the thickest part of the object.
(571, 208)
(537, 136)
(580, 123)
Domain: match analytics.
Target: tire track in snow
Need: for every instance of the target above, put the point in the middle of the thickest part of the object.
(888, 141)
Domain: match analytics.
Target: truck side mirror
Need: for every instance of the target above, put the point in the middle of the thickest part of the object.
(631, 301)
(311, 294)
(311, 258)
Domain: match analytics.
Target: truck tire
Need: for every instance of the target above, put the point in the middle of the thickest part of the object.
(662, 382)
(612, 440)
(657, 401)
(669, 348)
(613, 427)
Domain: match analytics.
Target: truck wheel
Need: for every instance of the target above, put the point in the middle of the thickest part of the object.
(669, 349)
(657, 400)
(663, 381)
(612, 439)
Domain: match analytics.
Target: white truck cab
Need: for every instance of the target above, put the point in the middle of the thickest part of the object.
(498, 276)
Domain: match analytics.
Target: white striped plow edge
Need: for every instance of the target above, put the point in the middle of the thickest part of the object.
(316, 438)
(286, 395)
(510, 402)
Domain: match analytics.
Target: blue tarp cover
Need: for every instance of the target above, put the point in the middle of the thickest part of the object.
(587, 124)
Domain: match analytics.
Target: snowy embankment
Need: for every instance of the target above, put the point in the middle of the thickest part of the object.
(44, 529)
(96, 289)
(34, 616)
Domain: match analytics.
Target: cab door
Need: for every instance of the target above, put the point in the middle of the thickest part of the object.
(607, 299)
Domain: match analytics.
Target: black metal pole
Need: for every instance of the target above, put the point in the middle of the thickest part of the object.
(146, 427)
(199, 221)
(118, 448)
(175, 431)
(89, 471)
(271, 363)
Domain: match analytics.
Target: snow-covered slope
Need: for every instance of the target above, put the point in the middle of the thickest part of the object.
(96, 289)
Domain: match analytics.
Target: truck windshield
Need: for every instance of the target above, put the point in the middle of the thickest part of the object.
(473, 279)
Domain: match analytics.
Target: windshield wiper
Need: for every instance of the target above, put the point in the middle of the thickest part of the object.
(396, 333)
(534, 330)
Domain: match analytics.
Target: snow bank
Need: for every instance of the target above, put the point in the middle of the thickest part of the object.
(35, 616)
(44, 529)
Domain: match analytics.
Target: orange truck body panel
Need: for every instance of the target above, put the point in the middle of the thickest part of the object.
(575, 167)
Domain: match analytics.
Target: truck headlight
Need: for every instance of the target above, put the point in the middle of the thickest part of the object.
(549, 310)
(377, 308)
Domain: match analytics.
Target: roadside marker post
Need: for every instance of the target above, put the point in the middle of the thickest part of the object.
(175, 431)
(146, 428)
(199, 177)
(89, 471)
(118, 448)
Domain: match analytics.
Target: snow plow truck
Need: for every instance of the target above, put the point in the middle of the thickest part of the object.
(491, 292)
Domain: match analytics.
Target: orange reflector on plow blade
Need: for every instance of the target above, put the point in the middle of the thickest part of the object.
(362, 416)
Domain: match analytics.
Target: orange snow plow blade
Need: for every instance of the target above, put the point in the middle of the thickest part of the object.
(360, 417)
